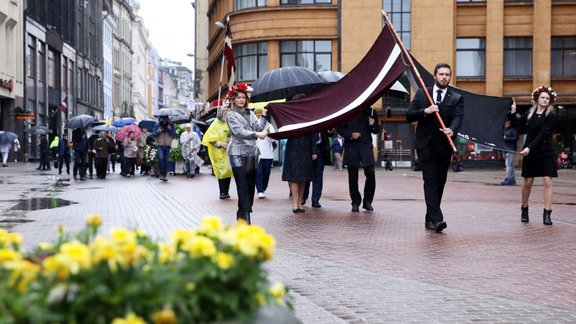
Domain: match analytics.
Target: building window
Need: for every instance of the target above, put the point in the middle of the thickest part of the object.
(251, 61)
(529, 1)
(399, 13)
(51, 69)
(471, 1)
(244, 4)
(470, 57)
(517, 57)
(31, 58)
(313, 54)
(41, 63)
(563, 57)
(305, 2)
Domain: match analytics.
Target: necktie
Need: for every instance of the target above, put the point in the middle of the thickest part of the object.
(439, 97)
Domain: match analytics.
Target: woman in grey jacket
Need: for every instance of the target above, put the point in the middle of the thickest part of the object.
(243, 152)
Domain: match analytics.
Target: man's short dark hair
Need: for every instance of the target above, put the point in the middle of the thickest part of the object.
(442, 65)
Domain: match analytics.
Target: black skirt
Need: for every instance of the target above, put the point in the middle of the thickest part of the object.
(534, 166)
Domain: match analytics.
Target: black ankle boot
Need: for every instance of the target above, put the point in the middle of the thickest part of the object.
(524, 216)
(246, 217)
(546, 216)
(239, 215)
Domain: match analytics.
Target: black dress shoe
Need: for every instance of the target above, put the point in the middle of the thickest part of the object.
(430, 226)
(316, 205)
(355, 208)
(303, 201)
(301, 210)
(295, 211)
(368, 206)
(440, 226)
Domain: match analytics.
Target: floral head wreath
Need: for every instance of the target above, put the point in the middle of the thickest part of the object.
(239, 87)
(536, 93)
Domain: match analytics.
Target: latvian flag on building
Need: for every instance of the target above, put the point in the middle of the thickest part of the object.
(64, 105)
(229, 53)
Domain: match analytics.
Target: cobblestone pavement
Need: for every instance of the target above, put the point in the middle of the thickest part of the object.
(373, 267)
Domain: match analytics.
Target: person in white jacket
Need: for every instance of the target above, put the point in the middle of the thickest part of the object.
(266, 148)
(190, 146)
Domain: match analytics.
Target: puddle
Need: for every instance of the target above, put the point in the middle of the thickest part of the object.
(41, 203)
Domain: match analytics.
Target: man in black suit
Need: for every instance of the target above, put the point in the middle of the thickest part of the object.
(434, 150)
(358, 153)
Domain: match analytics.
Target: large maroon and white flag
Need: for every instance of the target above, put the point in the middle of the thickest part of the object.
(229, 54)
(345, 99)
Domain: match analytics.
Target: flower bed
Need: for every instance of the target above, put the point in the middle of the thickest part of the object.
(211, 274)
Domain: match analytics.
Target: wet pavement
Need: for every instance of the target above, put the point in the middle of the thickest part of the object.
(374, 267)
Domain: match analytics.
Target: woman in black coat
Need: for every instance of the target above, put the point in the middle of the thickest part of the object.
(538, 150)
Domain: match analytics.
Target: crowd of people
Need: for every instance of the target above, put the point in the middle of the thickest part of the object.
(238, 146)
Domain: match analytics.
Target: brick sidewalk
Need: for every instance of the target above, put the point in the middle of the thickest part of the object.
(379, 266)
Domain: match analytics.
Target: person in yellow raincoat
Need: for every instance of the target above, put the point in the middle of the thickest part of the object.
(216, 140)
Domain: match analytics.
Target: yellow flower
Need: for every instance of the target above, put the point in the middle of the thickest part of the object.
(211, 225)
(9, 255)
(78, 252)
(23, 273)
(46, 246)
(122, 235)
(3, 235)
(278, 291)
(94, 220)
(104, 251)
(73, 257)
(130, 319)
(166, 253)
(180, 236)
(15, 239)
(165, 316)
(260, 299)
(200, 246)
(60, 229)
(190, 286)
(224, 260)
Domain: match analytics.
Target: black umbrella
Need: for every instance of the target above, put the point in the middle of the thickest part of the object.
(285, 82)
(81, 121)
(39, 130)
(175, 115)
(147, 123)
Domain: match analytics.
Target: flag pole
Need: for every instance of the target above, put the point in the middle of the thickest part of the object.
(417, 74)
(222, 26)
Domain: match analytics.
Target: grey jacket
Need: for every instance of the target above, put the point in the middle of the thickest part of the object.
(243, 126)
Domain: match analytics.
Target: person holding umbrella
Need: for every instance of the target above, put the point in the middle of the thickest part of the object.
(163, 133)
(80, 147)
(4, 150)
(245, 128)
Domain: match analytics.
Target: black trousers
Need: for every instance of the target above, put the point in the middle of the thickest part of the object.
(317, 182)
(224, 185)
(91, 164)
(79, 164)
(244, 170)
(100, 165)
(64, 159)
(130, 165)
(434, 168)
(369, 185)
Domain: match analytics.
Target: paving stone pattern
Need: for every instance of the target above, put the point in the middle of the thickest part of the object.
(373, 267)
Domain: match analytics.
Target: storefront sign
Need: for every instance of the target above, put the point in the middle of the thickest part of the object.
(7, 84)
(25, 116)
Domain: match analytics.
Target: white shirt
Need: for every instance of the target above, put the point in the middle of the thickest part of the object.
(435, 92)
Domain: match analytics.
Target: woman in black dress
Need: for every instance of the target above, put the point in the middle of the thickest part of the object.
(298, 168)
(538, 150)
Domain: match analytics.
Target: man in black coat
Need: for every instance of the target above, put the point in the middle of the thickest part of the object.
(358, 153)
(433, 148)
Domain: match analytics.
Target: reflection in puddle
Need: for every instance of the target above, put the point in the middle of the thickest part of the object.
(41, 203)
